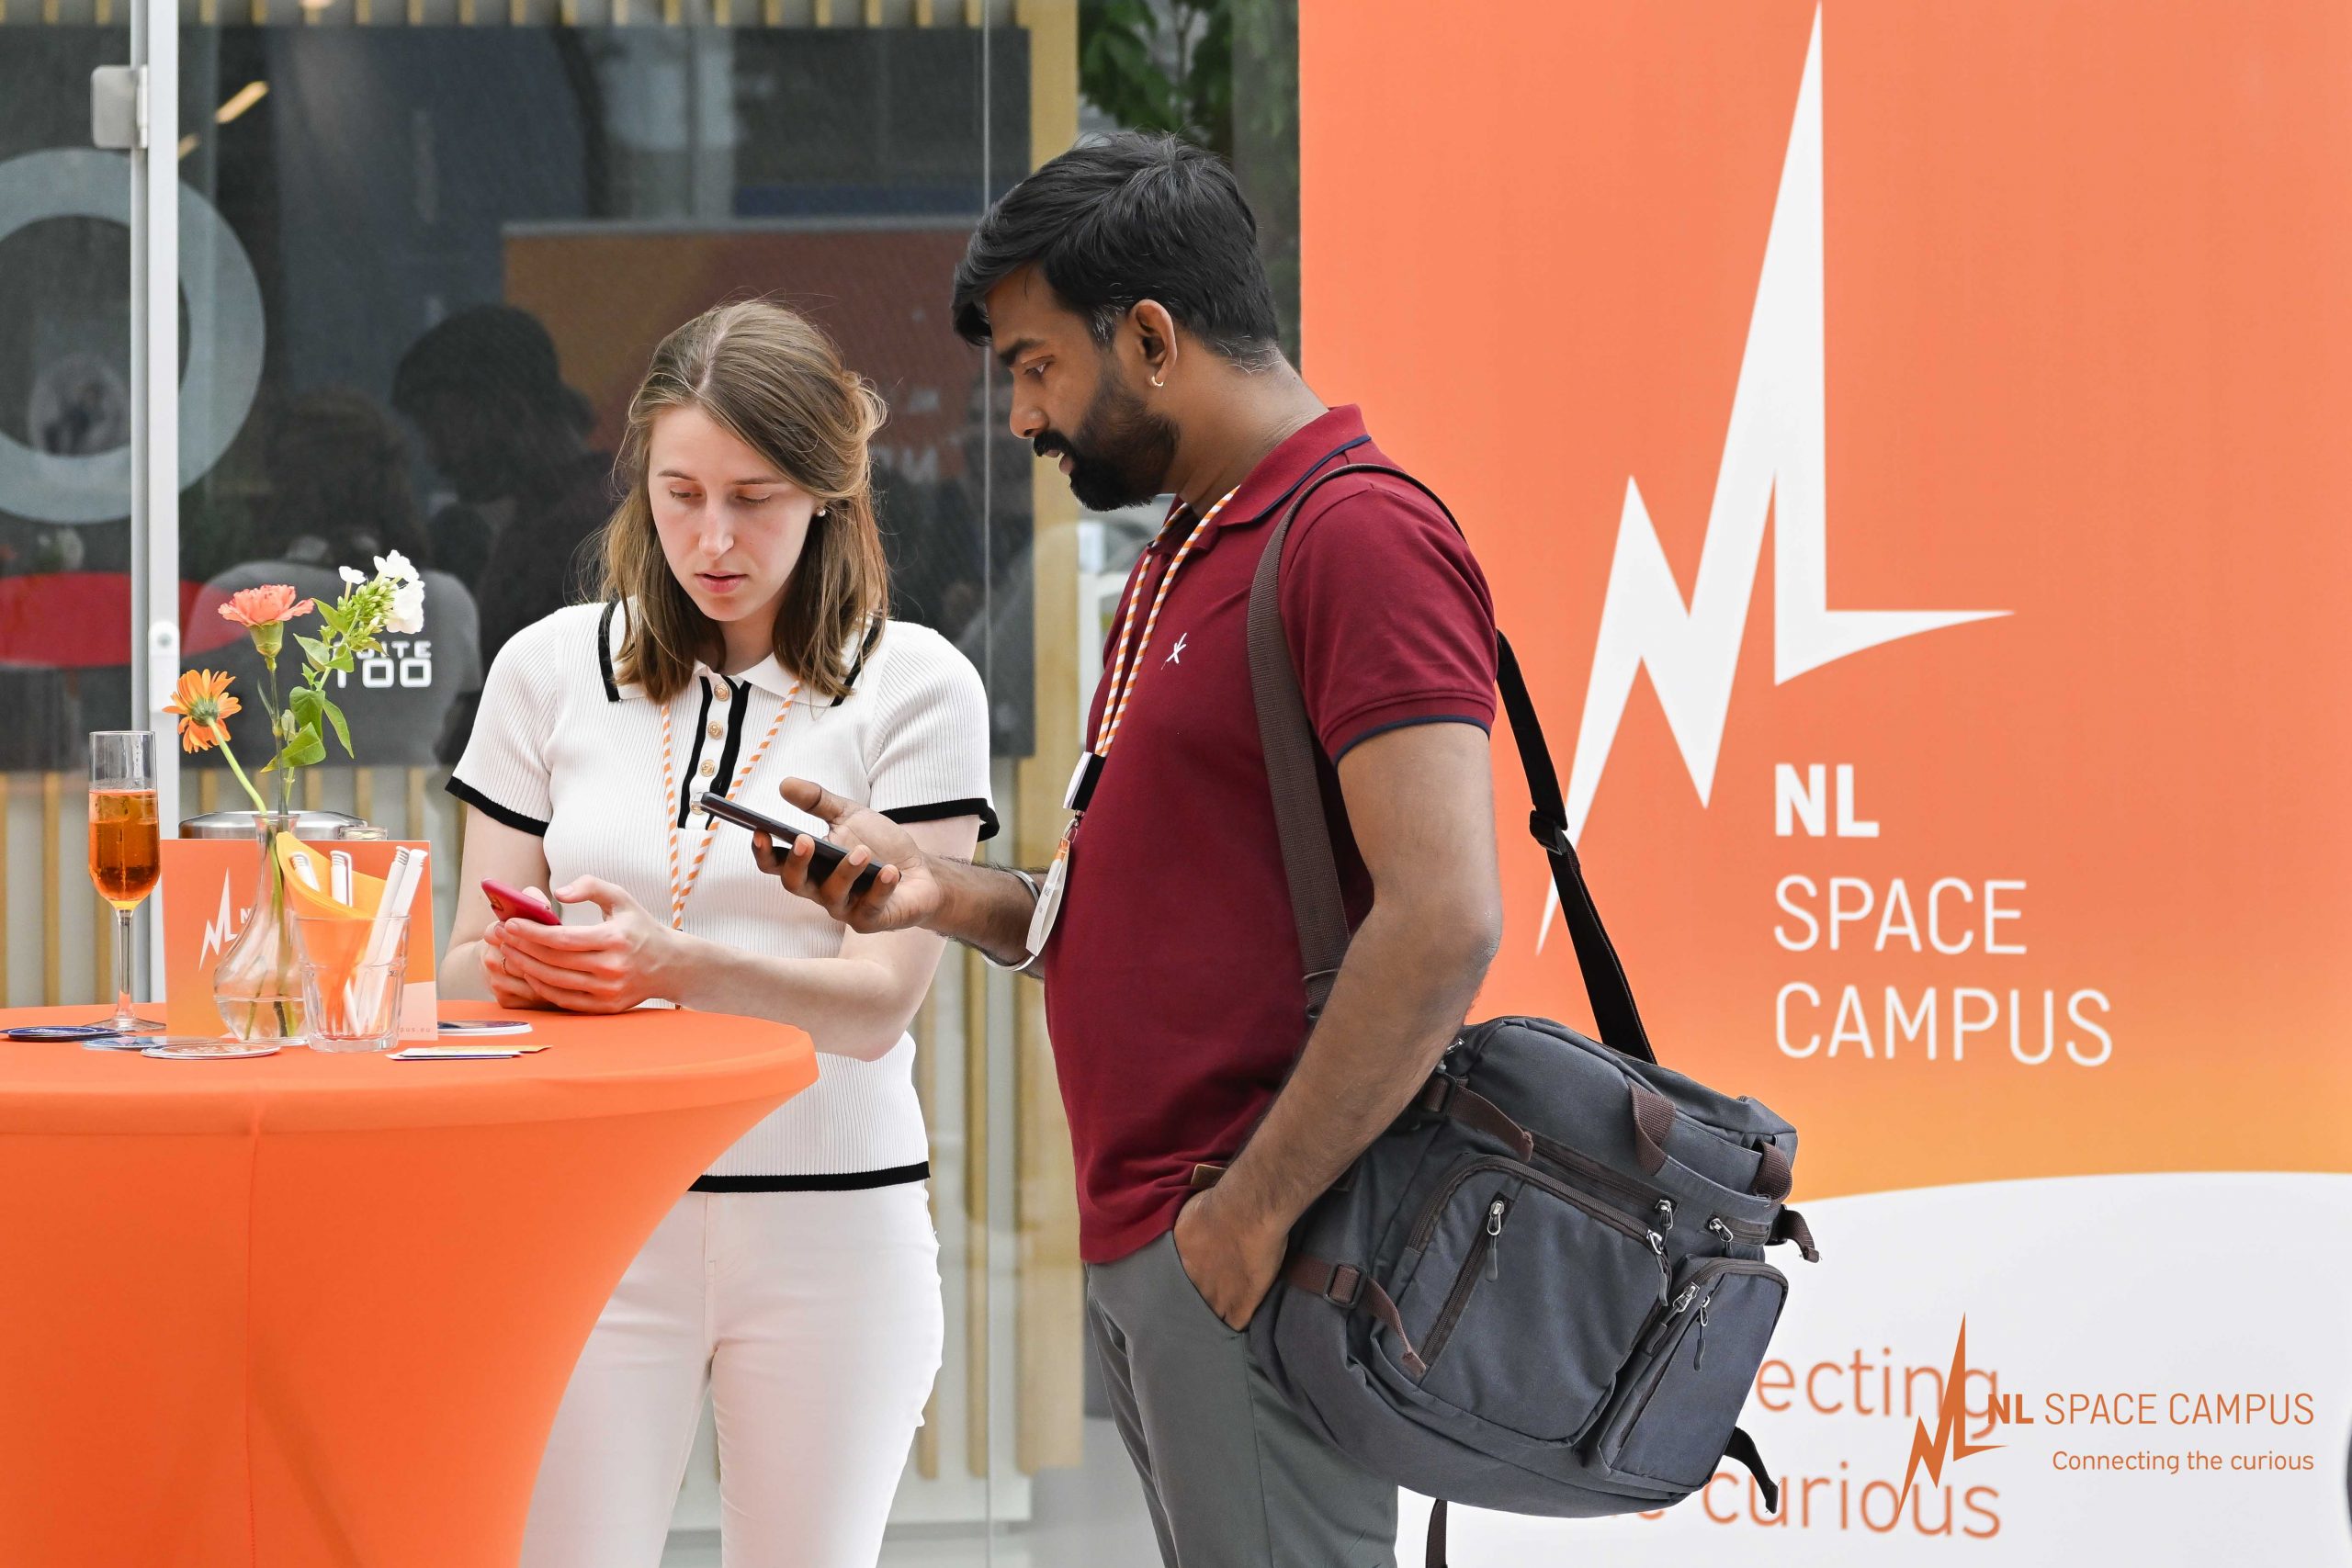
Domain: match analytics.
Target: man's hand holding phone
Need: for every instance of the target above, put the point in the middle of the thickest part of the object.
(905, 893)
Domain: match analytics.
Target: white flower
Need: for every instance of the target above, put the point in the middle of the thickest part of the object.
(352, 575)
(407, 616)
(396, 567)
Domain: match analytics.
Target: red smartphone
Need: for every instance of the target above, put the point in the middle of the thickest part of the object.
(511, 904)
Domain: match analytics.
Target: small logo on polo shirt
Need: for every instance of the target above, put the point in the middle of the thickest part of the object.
(1176, 654)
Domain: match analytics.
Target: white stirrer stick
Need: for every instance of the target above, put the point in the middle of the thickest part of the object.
(400, 891)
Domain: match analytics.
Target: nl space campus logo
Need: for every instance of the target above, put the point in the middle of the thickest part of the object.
(1773, 476)
(1773, 468)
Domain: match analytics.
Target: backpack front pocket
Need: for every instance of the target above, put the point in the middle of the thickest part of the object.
(1679, 1400)
(1527, 1299)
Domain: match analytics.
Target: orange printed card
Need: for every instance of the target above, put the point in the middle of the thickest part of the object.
(207, 895)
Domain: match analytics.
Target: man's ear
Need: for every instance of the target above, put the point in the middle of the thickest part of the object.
(1155, 340)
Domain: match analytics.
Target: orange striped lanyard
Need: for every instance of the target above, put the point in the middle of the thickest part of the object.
(683, 878)
(1126, 663)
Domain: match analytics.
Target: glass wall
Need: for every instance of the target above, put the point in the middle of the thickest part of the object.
(427, 246)
(66, 485)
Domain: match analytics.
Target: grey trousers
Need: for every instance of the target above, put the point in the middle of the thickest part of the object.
(1233, 1478)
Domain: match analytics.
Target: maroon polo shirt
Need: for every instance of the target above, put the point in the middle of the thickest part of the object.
(1172, 979)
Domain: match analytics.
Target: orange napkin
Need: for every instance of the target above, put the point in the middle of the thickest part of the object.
(336, 951)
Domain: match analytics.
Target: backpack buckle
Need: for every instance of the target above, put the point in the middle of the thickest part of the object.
(1551, 834)
(1345, 1287)
(1437, 1094)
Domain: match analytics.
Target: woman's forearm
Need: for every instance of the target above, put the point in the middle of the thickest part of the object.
(850, 1007)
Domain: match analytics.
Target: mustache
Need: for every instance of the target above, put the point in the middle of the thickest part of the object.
(1049, 446)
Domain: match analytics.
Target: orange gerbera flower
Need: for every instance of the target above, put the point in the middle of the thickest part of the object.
(266, 606)
(203, 703)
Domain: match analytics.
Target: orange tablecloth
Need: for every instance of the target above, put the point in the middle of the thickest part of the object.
(309, 1309)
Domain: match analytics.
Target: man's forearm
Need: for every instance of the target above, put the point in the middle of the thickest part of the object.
(985, 907)
(1397, 1002)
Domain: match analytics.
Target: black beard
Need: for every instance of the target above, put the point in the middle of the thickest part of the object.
(1122, 451)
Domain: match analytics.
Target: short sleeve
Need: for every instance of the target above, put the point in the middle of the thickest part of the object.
(504, 769)
(1388, 618)
(927, 750)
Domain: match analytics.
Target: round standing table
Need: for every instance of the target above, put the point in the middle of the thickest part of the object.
(308, 1309)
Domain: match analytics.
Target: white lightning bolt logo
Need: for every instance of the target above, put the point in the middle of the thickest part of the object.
(1773, 463)
(222, 928)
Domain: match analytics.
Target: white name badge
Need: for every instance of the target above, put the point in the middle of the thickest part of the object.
(1081, 781)
(1049, 900)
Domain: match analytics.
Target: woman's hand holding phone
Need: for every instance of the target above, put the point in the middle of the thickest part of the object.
(905, 894)
(609, 966)
(506, 988)
(522, 905)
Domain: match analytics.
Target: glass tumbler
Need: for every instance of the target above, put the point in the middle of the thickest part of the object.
(353, 974)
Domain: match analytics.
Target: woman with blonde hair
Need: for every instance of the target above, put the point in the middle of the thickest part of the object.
(743, 637)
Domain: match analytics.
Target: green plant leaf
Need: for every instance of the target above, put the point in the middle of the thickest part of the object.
(312, 649)
(342, 730)
(306, 749)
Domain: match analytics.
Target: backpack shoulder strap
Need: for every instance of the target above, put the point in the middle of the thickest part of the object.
(1288, 739)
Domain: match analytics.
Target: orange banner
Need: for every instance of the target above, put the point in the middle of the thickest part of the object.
(1907, 446)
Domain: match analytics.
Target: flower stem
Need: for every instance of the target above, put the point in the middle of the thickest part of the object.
(222, 737)
(280, 731)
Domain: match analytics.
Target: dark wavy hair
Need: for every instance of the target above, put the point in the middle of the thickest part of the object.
(1124, 218)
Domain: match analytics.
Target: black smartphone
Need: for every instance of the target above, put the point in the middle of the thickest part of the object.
(829, 855)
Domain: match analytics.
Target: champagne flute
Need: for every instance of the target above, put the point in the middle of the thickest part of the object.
(125, 858)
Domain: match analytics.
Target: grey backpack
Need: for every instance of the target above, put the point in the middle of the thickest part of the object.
(1544, 1290)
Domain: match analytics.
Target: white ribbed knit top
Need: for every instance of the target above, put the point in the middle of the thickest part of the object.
(560, 750)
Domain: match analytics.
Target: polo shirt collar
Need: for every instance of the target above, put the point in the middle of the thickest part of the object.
(1319, 444)
(768, 675)
(612, 629)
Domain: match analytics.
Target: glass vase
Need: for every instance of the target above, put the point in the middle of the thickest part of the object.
(257, 986)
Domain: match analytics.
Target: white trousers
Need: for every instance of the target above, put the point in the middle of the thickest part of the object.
(813, 1321)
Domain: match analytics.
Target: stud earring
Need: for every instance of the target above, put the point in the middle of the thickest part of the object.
(823, 510)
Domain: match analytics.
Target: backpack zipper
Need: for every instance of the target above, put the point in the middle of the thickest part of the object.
(1584, 1167)
(1709, 1275)
(1483, 1261)
(1625, 1189)
(1652, 1341)
(1631, 1228)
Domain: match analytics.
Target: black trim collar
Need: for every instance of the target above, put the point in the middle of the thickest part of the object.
(604, 651)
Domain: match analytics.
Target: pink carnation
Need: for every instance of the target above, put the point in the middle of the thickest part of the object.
(266, 606)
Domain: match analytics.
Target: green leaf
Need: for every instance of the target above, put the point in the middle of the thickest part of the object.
(342, 730)
(304, 705)
(313, 648)
(343, 661)
(306, 750)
